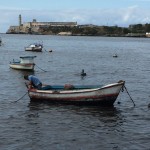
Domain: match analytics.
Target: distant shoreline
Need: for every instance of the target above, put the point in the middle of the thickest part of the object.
(134, 36)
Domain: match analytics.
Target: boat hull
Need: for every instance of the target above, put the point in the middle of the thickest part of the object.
(105, 95)
(22, 66)
(33, 49)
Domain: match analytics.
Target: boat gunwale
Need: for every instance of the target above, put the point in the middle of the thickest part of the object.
(76, 90)
(22, 64)
(19, 66)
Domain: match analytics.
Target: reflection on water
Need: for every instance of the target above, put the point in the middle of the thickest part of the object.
(75, 123)
(107, 115)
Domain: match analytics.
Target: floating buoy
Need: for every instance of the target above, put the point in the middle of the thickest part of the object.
(119, 102)
(83, 73)
(115, 55)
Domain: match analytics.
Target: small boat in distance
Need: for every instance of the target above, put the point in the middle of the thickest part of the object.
(25, 63)
(77, 94)
(34, 47)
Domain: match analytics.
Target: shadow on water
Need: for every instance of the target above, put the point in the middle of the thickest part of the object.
(104, 114)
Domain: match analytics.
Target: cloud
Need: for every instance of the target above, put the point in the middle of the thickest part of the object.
(128, 13)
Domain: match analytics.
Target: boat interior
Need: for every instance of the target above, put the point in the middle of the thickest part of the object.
(69, 87)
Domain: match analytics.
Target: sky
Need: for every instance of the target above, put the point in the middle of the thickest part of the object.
(98, 12)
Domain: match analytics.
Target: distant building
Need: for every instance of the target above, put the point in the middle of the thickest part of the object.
(65, 33)
(148, 34)
(34, 26)
(34, 23)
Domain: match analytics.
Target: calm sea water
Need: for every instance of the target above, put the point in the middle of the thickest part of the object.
(29, 126)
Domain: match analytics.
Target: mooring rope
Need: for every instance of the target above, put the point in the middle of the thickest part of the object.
(129, 95)
(41, 68)
(20, 97)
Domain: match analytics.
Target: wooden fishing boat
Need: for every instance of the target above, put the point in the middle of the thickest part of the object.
(25, 63)
(69, 94)
(34, 48)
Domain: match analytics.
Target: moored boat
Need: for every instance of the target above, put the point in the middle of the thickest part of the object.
(34, 47)
(78, 94)
(25, 63)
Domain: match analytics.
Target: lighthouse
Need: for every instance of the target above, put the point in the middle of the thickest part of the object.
(20, 20)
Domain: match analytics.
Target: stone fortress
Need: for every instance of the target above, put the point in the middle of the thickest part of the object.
(34, 26)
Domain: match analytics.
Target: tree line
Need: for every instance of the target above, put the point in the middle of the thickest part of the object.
(92, 30)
